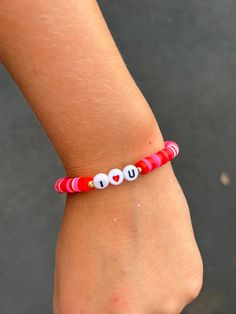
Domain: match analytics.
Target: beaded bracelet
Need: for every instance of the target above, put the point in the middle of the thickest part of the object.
(116, 176)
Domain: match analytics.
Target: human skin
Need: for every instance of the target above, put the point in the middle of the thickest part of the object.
(127, 249)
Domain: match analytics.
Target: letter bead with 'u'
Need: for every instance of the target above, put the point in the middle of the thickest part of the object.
(130, 173)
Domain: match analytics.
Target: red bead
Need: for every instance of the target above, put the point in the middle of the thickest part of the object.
(83, 184)
(56, 186)
(154, 165)
(141, 164)
(63, 185)
(169, 153)
(69, 186)
(163, 157)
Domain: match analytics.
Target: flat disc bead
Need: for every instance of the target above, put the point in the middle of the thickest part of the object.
(69, 186)
(62, 185)
(130, 172)
(141, 164)
(101, 181)
(163, 157)
(169, 152)
(152, 163)
(58, 184)
(74, 185)
(173, 146)
(83, 184)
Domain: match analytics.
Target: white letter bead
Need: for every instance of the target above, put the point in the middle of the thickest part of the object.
(115, 176)
(100, 181)
(130, 173)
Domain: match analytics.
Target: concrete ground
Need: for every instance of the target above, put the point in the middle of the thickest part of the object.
(182, 54)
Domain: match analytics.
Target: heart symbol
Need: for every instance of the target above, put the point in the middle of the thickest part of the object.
(116, 178)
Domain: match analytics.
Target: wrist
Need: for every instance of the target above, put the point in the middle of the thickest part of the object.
(118, 146)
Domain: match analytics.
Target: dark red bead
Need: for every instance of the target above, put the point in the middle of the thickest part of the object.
(141, 164)
(83, 184)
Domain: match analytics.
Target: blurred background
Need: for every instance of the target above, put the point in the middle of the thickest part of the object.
(182, 55)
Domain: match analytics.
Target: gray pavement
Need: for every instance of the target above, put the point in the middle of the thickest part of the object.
(182, 55)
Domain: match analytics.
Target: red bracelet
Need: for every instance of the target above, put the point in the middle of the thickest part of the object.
(116, 176)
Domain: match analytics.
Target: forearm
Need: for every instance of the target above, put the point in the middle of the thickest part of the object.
(64, 60)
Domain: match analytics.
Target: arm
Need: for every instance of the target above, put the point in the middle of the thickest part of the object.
(62, 56)
(119, 250)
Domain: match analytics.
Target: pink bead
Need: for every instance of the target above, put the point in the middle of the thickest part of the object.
(58, 183)
(173, 146)
(148, 164)
(157, 159)
(68, 186)
(74, 185)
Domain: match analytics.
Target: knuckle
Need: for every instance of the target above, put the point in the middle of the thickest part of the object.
(194, 282)
(171, 306)
(193, 289)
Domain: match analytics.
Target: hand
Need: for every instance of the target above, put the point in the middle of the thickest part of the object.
(128, 250)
